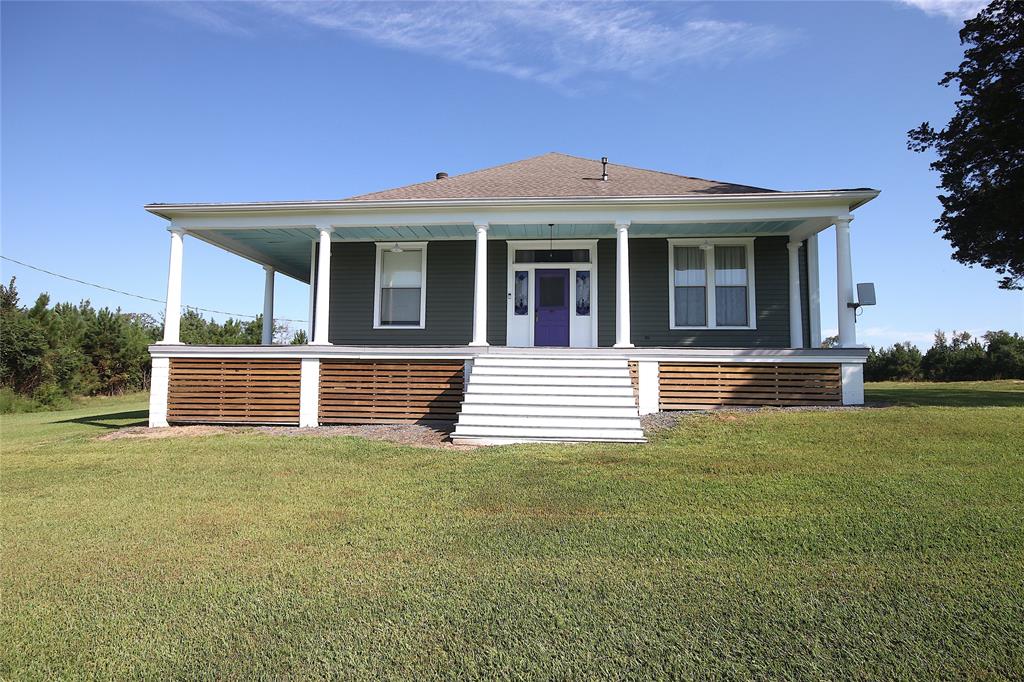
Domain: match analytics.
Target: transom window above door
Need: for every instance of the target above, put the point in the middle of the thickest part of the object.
(711, 284)
(552, 256)
(399, 300)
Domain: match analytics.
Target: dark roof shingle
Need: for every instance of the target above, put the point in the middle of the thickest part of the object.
(558, 176)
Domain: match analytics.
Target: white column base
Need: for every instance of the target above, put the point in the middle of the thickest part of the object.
(648, 378)
(853, 383)
(623, 345)
(159, 384)
(309, 392)
(478, 344)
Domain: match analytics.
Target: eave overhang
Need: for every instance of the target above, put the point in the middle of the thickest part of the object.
(854, 198)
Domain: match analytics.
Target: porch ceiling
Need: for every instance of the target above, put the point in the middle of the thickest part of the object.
(288, 250)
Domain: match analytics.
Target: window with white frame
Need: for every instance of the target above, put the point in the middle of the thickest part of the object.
(400, 295)
(711, 284)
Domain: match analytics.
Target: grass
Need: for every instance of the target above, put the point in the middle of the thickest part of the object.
(959, 394)
(874, 543)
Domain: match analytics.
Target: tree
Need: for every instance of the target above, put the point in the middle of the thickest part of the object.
(981, 149)
(1005, 354)
(902, 362)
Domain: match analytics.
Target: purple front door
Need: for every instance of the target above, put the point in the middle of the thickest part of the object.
(551, 321)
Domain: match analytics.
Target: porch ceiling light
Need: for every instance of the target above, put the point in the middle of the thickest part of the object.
(706, 246)
(396, 248)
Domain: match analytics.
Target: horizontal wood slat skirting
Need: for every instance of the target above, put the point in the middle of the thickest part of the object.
(233, 391)
(390, 391)
(701, 386)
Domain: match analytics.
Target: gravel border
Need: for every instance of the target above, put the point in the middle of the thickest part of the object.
(659, 421)
(435, 435)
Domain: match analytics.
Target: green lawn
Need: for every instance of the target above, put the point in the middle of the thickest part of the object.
(875, 543)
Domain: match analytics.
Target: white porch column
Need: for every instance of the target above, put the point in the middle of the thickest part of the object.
(622, 330)
(309, 392)
(796, 324)
(268, 306)
(159, 384)
(648, 386)
(844, 284)
(172, 313)
(312, 289)
(480, 287)
(813, 291)
(323, 289)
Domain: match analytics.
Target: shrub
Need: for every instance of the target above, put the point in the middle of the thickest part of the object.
(13, 403)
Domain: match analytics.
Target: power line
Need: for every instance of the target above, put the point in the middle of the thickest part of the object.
(140, 296)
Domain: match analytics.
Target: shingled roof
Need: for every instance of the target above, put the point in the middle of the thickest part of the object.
(560, 176)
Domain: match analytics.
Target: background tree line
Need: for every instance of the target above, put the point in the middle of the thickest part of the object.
(49, 354)
(959, 357)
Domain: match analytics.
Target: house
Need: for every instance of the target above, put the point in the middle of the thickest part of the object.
(554, 298)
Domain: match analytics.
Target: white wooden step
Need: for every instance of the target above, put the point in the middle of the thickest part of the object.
(519, 433)
(541, 389)
(554, 398)
(535, 421)
(510, 370)
(508, 379)
(541, 400)
(624, 411)
(491, 360)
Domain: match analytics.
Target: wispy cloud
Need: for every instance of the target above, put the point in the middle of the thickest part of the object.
(554, 43)
(216, 17)
(956, 10)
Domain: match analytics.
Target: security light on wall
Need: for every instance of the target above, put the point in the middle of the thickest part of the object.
(865, 295)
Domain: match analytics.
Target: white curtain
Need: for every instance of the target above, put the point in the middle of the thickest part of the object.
(731, 286)
(690, 286)
(401, 285)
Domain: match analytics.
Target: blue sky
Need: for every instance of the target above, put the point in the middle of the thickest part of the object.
(108, 106)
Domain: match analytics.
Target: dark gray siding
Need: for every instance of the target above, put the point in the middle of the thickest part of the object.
(450, 296)
(649, 279)
(497, 290)
(449, 316)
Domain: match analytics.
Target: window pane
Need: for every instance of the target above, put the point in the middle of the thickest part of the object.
(731, 266)
(401, 269)
(551, 292)
(690, 307)
(731, 306)
(583, 292)
(689, 267)
(522, 292)
(400, 306)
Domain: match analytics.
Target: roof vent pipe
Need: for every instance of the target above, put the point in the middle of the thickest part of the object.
(604, 169)
(441, 176)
